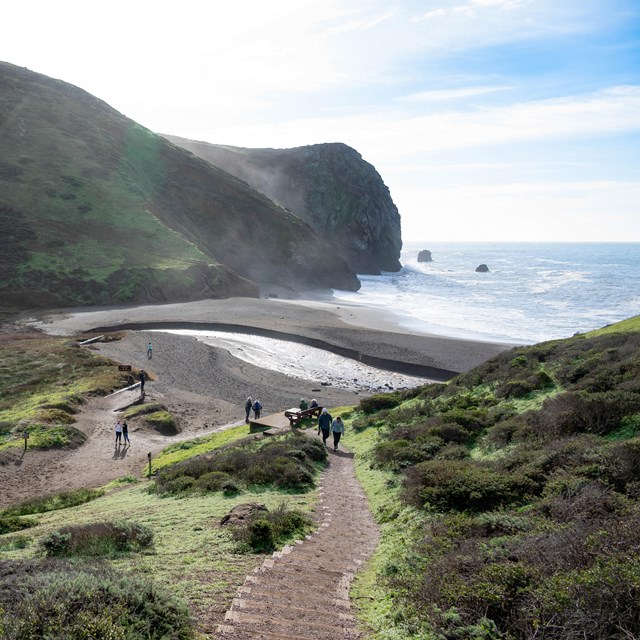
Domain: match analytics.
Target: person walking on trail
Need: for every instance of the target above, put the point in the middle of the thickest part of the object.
(303, 405)
(149, 351)
(248, 405)
(125, 432)
(337, 427)
(143, 379)
(118, 432)
(324, 425)
(257, 408)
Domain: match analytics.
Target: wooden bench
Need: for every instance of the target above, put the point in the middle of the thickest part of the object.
(296, 416)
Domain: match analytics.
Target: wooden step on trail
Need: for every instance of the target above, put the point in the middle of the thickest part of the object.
(302, 592)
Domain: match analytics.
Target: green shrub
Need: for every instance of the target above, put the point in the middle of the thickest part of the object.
(11, 523)
(266, 531)
(379, 401)
(54, 501)
(460, 485)
(97, 539)
(55, 599)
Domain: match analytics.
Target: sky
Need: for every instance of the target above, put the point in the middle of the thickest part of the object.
(489, 120)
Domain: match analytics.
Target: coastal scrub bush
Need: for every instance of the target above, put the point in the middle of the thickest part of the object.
(465, 486)
(57, 599)
(265, 531)
(11, 523)
(287, 463)
(97, 539)
(53, 502)
(379, 401)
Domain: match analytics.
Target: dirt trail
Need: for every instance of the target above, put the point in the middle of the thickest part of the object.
(302, 593)
(25, 475)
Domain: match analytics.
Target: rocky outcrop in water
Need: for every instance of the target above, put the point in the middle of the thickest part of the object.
(329, 186)
(425, 256)
(482, 268)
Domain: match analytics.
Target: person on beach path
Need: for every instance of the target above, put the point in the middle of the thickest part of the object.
(248, 405)
(125, 432)
(337, 427)
(303, 405)
(324, 425)
(143, 379)
(118, 432)
(149, 351)
(257, 408)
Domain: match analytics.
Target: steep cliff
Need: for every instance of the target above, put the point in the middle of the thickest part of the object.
(329, 186)
(95, 209)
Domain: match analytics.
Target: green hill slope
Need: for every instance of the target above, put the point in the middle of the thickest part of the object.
(509, 498)
(95, 209)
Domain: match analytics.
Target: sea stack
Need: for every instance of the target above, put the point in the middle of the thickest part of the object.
(425, 256)
(482, 268)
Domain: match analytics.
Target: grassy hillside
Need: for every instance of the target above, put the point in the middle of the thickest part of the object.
(96, 209)
(508, 498)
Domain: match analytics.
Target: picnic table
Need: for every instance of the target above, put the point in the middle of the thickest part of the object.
(296, 416)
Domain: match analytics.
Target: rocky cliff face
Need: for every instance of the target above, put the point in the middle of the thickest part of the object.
(329, 186)
(95, 209)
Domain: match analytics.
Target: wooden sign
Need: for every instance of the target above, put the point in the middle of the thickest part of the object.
(124, 367)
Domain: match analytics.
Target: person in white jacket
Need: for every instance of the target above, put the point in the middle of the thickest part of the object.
(337, 428)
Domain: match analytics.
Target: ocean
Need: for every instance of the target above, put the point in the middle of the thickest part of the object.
(532, 292)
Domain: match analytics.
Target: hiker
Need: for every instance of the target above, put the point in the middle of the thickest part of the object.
(303, 405)
(324, 425)
(248, 405)
(149, 351)
(257, 407)
(118, 432)
(314, 404)
(337, 426)
(125, 432)
(143, 378)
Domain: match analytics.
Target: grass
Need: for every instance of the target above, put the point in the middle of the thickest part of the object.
(189, 448)
(192, 552)
(43, 379)
(628, 325)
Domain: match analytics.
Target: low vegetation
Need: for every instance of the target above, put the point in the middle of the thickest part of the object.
(97, 539)
(288, 462)
(516, 490)
(52, 502)
(54, 599)
(43, 381)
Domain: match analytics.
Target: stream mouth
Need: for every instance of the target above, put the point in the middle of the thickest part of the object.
(303, 361)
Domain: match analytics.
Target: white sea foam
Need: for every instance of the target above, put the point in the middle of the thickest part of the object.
(533, 291)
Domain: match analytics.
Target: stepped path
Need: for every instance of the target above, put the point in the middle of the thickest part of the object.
(302, 592)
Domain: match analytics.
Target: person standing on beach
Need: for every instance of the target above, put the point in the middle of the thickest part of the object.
(337, 427)
(149, 351)
(118, 432)
(125, 432)
(324, 425)
(248, 405)
(257, 408)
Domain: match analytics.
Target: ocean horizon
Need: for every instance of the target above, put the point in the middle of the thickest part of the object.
(532, 292)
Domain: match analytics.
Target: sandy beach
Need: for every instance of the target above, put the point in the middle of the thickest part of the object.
(205, 387)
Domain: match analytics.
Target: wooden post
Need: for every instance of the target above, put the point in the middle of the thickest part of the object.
(149, 456)
(25, 435)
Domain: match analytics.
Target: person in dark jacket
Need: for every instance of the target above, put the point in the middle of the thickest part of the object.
(143, 379)
(324, 425)
(248, 405)
(257, 408)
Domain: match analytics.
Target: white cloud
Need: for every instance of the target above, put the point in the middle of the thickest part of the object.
(443, 95)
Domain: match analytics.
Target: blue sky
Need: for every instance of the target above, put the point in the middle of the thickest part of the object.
(492, 120)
